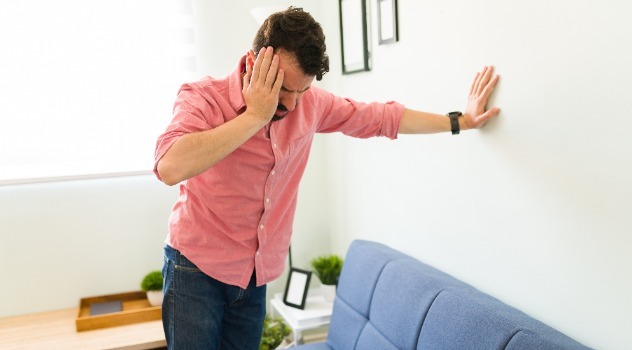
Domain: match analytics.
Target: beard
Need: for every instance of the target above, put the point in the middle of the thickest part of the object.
(280, 113)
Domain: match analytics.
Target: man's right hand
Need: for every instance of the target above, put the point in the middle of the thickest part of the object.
(262, 83)
(196, 152)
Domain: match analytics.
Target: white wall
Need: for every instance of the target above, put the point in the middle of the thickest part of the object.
(533, 209)
(64, 241)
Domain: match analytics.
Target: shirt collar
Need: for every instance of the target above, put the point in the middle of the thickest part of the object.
(235, 86)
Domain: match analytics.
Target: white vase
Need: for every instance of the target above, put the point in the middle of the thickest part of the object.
(154, 297)
(284, 344)
(328, 291)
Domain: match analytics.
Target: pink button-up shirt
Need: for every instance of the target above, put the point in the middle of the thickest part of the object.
(237, 215)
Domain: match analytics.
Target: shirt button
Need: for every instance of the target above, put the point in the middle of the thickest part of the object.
(273, 172)
(261, 227)
(275, 146)
(258, 253)
(267, 200)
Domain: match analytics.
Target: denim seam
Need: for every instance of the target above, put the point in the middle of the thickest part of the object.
(171, 296)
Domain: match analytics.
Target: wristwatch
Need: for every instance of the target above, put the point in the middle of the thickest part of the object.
(454, 122)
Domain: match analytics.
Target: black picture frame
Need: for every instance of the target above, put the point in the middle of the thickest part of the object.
(296, 288)
(387, 27)
(354, 39)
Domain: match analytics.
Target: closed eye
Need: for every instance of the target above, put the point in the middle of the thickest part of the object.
(283, 88)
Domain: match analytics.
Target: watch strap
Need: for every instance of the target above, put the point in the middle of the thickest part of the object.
(454, 122)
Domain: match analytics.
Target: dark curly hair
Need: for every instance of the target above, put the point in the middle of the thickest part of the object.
(296, 32)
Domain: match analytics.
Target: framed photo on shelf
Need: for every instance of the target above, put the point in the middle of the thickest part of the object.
(296, 288)
(354, 36)
(387, 21)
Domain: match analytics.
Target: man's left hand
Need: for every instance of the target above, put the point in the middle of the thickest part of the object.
(475, 114)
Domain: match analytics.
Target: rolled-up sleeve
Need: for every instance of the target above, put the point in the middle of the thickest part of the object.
(190, 113)
(359, 119)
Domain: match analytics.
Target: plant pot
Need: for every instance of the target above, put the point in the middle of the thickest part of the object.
(285, 344)
(154, 297)
(328, 291)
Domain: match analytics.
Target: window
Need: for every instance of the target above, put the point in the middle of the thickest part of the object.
(87, 86)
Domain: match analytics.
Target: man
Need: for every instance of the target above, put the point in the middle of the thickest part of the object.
(238, 146)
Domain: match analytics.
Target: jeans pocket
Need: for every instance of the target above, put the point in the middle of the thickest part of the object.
(185, 265)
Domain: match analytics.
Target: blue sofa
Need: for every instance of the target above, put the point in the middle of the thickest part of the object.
(387, 300)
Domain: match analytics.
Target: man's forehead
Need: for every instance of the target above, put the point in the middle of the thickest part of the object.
(297, 85)
(294, 77)
(295, 80)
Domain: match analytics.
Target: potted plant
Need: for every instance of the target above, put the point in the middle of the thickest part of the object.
(274, 333)
(327, 268)
(152, 284)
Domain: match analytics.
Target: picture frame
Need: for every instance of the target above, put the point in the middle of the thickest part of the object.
(296, 288)
(388, 29)
(354, 39)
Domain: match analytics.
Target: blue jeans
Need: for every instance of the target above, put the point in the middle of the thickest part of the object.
(200, 312)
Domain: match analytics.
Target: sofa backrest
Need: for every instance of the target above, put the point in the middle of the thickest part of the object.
(388, 300)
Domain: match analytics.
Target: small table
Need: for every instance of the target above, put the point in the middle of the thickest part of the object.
(317, 313)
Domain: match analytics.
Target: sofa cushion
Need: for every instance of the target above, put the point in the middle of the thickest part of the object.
(400, 303)
(345, 327)
(371, 338)
(363, 266)
(455, 322)
(533, 331)
(526, 340)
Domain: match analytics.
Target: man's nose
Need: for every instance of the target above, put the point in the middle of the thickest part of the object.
(289, 100)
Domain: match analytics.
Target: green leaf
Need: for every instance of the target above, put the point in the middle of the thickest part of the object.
(327, 268)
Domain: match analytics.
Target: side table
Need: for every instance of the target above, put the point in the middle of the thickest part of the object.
(317, 313)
